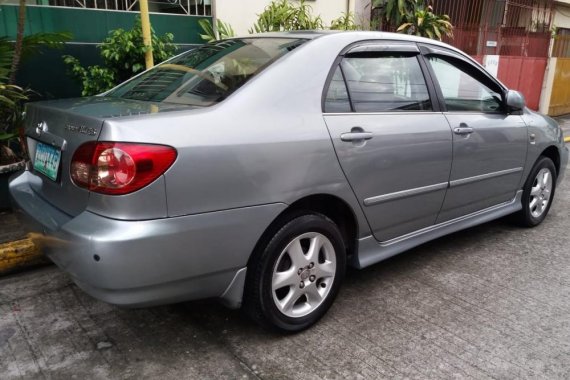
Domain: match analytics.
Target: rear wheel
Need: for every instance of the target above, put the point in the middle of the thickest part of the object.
(294, 279)
(538, 193)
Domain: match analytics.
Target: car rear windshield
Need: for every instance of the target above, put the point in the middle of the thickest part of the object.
(208, 74)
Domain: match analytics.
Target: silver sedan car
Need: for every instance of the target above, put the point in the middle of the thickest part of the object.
(255, 169)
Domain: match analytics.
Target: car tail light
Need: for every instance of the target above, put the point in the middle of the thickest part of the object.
(119, 168)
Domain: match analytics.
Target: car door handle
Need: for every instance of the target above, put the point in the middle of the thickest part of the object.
(463, 130)
(356, 136)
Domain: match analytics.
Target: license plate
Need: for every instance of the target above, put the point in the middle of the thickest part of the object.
(47, 160)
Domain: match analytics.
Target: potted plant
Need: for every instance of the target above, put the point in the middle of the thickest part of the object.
(12, 146)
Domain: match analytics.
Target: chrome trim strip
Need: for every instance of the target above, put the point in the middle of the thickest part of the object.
(482, 177)
(405, 193)
(399, 113)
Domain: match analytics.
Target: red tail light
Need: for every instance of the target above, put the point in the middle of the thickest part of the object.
(119, 168)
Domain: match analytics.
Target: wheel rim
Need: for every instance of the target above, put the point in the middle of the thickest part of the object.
(540, 193)
(303, 274)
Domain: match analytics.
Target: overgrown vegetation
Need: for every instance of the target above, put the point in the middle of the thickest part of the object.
(279, 16)
(123, 56)
(223, 30)
(344, 22)
(13, 97)
(415, 17)
(423, 22)
(282, 15)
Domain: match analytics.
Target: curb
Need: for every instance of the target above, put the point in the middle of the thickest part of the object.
(19, 254)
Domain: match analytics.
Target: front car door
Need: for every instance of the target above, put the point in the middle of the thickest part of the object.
(489, 144)
(393, 143)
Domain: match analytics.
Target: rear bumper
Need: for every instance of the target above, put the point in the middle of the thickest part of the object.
(149, 262)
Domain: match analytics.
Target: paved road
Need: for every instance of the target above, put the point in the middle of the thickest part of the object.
(489, 302)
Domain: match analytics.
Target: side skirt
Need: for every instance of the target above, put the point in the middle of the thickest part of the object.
(370, 251)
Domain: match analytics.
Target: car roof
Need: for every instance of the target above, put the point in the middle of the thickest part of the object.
(356, 34)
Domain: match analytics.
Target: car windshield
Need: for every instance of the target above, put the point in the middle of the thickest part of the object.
(208, 74)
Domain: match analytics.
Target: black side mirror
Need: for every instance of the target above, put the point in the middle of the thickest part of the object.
(515, 101)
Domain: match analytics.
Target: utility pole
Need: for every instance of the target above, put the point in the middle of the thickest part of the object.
(147, 40)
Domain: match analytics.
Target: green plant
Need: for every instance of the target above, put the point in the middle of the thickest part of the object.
(281, 15)
(423, 22)
(223, 30)
(13, 97)
(413, 17)
(344, 22)
(123, 56)
(395, 12)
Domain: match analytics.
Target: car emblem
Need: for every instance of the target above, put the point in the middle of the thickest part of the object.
(41, 128)
(81, 129)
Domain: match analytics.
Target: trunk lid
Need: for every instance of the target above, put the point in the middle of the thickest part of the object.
(62, 126)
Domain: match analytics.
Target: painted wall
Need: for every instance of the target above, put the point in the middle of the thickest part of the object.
(562, 15)
(555, 98)
(47, 74)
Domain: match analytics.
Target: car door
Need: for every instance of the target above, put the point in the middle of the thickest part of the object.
(489, 144)
(392, 142)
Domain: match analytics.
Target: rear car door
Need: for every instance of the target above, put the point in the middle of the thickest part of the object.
(489, 144)
(393, 143)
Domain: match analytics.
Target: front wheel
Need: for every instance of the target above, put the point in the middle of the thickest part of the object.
(538, 193)
(293, 281)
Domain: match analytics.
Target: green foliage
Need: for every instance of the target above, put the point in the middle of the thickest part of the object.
(344, 22)
(13, 98)
(281, 15)
(123, 56)
(414, 17)
(37, 42)
(31, 45)
(94, 79)
(224, 30)
(395, 12)
(423, 22)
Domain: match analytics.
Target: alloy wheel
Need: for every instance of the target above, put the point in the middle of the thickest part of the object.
(303, 274)
(540, 192)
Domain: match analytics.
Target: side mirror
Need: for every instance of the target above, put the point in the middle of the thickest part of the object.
(515, 101)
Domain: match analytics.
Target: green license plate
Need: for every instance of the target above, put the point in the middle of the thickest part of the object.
(47, 160)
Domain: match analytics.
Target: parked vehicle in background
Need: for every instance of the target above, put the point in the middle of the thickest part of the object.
(256, 169)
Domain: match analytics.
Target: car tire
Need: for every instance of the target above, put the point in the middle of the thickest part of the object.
(538, 193)
(293, 279)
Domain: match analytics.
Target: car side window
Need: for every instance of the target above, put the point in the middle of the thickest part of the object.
(462, 90)
(389, 82)
(337, 99)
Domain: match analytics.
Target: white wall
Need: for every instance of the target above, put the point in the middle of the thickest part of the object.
(242, 14)
(561, 15)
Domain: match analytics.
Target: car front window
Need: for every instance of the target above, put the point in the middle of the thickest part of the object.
(208, 74)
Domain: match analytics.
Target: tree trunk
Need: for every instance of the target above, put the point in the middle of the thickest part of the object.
(19, 41)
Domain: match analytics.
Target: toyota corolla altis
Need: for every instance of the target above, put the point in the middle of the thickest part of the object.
(256, 169)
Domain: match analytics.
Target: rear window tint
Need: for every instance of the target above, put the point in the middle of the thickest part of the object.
(208, 74)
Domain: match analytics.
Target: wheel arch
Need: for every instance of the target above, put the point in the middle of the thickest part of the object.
(552, 153)
(331, 206)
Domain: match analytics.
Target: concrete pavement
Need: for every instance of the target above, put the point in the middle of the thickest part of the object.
(491, 302)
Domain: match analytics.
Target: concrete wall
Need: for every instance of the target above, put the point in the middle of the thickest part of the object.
(243, 14)
(561, 15)
(555, 98)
